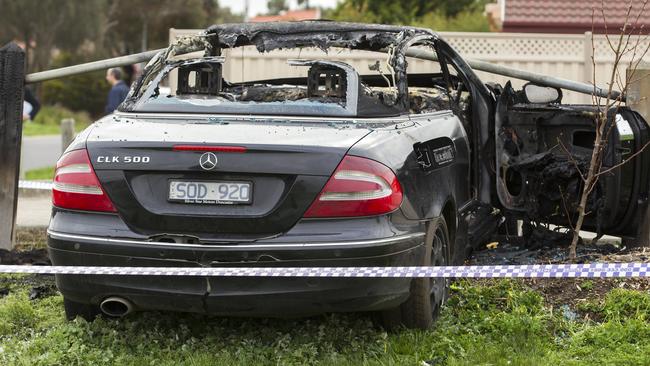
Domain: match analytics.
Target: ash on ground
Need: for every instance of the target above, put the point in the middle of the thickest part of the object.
(544, 246)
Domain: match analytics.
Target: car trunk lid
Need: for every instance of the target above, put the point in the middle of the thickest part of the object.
(286, 163)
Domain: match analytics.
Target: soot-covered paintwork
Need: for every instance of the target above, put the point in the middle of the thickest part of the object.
(279, 154)
(444, 160)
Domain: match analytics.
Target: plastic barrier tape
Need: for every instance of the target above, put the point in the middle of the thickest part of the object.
(591, 270)
(34, 184)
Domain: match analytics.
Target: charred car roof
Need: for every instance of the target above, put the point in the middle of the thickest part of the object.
(313, 33)
(328, 89)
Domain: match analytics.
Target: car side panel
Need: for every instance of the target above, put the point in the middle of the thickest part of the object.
(425, 191)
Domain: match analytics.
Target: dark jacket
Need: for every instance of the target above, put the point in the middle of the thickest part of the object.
(116, 96)
(31, 99)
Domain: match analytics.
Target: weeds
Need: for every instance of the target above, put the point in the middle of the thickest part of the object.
(587, 285)
(493, 323)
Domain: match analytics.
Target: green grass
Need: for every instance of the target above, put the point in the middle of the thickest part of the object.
(40, 174)
(48, 120)
(500, 323)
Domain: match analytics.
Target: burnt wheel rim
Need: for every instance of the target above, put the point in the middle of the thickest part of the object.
(438, 286)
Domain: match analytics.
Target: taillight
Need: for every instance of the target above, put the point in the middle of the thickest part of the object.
(358, 187)
(76, 186)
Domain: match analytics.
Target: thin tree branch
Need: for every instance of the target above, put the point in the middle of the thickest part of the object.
(602, 10)
(566, 210)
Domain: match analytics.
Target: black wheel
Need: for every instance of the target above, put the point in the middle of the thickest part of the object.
(73, 309)
(428, 295)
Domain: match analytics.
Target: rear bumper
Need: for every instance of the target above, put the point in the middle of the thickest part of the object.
(238, 296)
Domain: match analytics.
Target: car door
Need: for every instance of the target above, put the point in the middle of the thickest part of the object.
(542, 149)
(474, 104)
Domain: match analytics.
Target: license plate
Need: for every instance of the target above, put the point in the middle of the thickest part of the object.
(222, 193)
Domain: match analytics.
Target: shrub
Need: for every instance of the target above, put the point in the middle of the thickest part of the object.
(83, 92)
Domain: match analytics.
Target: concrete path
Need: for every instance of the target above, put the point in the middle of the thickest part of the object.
(39, 152)
(34, 210)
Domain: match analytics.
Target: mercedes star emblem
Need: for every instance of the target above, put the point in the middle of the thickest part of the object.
(208, 161)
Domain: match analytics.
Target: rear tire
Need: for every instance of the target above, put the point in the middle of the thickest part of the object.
(428, 295)
(86, 311)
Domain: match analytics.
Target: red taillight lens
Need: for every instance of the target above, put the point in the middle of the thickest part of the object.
(358, 187)
(76, 186)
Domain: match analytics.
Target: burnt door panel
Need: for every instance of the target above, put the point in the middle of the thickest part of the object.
(542, 150)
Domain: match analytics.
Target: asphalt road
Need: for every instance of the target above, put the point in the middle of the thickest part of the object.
(39, 152)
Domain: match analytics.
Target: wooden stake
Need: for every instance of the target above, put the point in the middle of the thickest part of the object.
(12, 76)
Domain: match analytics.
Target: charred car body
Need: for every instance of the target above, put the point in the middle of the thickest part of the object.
(332, 168)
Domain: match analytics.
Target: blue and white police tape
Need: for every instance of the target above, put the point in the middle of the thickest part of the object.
(590, 270)
(35, 184)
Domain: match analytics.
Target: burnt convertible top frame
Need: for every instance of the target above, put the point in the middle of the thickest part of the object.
(319, 34)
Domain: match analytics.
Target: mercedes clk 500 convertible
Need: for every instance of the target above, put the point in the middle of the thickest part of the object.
(380, 165)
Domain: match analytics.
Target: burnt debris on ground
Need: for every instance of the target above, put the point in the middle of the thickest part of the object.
(540, 245)
(507, 253)
(577, 299)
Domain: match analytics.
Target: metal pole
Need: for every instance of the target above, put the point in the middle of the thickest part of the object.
(542, 79)
(425, 55)
(521, 74)
(91, 66)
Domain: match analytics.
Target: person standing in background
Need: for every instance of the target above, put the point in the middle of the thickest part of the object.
(118, 91)
(31, 106)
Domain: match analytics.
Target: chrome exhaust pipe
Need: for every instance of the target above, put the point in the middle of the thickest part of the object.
(116, 306)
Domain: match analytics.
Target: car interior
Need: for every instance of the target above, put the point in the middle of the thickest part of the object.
(324, 82)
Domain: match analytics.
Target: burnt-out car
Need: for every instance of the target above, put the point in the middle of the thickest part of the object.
(339, 166)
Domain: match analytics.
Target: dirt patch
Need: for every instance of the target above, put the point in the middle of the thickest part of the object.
(37, 257)
(575, 298)
(581, 296)
(40, 286)
(31, 238)
(30, 250)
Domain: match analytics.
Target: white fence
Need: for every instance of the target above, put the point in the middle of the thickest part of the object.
(566, 56)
